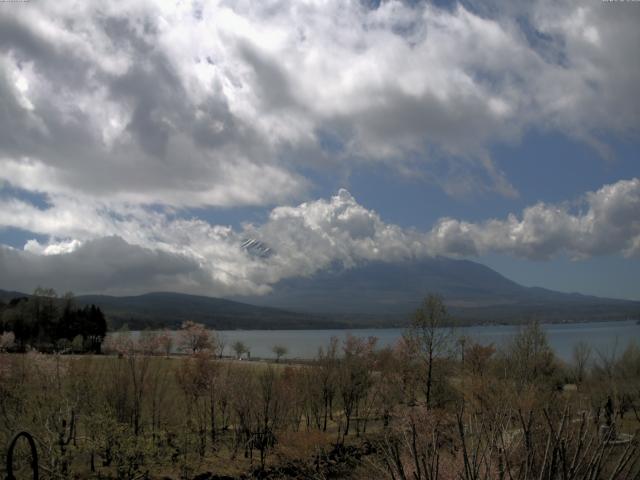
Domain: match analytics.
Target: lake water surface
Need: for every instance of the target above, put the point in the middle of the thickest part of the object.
(605, 337)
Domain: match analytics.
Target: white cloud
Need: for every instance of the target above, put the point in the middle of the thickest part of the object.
(304, 239)
(52, 248)
(225, 103)
(609, 223)
(121, 114)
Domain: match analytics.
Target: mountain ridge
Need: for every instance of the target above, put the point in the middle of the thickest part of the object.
(170, 309)
(373, 294)
(472, 291)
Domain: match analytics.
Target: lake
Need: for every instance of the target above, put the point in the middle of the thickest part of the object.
(605, 337)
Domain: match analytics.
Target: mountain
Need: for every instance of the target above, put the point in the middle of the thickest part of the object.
(171, 309)
(385, 292)
(167, 309)
(6, 295)
(256, 248)
(373, 294)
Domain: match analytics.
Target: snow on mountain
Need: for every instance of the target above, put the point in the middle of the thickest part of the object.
(256, 248)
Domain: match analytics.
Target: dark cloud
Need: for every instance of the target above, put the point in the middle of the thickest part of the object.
(145, 250)
(151, 105)
(271, 82)
(103, 265)
(114, 118)
(109, 108)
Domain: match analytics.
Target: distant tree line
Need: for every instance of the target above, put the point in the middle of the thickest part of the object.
(49, 323)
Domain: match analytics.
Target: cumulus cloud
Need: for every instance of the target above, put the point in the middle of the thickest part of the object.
(226, 103)
(606, 222)
(140, 250)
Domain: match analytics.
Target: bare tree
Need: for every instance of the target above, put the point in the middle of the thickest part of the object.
(194, 337)
(240, 348)
(139, 367)
(355, 377)
(279, 351)
(197, 377)
(327, 377)
(221, 344)
(269, 412)
(477, 358)
(165, 340)
(7, 341)
(581, 359)
(428, 336)
(529, 357)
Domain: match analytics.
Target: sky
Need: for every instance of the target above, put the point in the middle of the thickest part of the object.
(143, 143)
